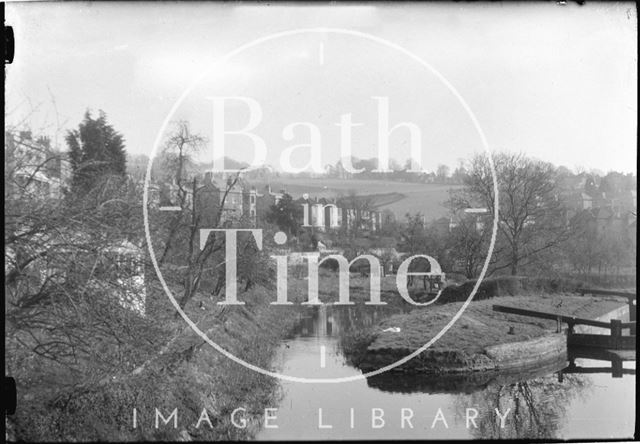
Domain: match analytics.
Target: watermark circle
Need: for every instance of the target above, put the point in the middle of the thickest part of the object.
(289, 33)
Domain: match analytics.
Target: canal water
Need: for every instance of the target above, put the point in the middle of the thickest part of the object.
(545, 403)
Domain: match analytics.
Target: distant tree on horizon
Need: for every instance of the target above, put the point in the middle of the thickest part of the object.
(442, 173)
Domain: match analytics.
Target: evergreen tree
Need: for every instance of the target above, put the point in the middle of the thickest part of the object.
(286, 214)
(96, 150)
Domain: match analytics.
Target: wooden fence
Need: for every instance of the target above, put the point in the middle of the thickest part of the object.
(615, 340)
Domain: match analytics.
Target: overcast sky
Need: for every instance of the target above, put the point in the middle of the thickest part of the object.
(555, 82)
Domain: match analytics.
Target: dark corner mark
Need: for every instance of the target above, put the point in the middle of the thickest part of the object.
(9, 395)
(9, 44)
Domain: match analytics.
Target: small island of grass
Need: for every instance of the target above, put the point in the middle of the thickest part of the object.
(481, 339)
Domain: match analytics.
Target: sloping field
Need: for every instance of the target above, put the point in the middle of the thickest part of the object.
(399, 197)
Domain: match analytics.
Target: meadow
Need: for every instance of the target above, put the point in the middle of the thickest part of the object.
(399, 197)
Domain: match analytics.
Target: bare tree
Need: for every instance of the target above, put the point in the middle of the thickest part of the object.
(531, 216)
(467, 245)
(65, 277)
(175, 158)
(180, 235)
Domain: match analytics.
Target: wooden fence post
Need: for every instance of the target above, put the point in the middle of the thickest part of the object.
(616, 368)
(632, 314)
(616, 333)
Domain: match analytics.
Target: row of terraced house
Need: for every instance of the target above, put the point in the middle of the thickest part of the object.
(243, 202)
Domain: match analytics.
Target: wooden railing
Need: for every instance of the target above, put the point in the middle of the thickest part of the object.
(613, 341)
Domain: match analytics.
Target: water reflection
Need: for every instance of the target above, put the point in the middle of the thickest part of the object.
(325, 321)
(457, 383)
(537, 408)
(575, 400)
(612, 362)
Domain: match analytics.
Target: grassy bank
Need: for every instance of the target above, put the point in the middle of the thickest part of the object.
(466, 344)
(183, 372)
(186, 373)
(178, 370)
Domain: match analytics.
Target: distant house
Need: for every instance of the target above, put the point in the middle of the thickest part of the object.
(43, 172)
(322, 213)
(264, 202)
(479, 219)
(598, 221)
(330, 214)
(250, 204)
(235, 199)
(586, 201)
(39, 184)
(583, 182)
(232, 194)
(578, 201)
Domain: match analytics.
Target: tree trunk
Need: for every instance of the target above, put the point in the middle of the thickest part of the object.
(188, 287)
(514, 262)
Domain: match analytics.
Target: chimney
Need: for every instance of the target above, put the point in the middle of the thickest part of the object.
(208, 178)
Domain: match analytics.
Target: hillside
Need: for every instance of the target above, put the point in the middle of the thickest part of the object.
(399, 197)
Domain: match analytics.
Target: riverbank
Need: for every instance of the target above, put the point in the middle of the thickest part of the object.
(203, 387)
(540, 390)
(182, 373)
(185, 375)
(481, 339)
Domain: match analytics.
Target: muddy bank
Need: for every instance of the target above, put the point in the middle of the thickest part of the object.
(481, 339)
